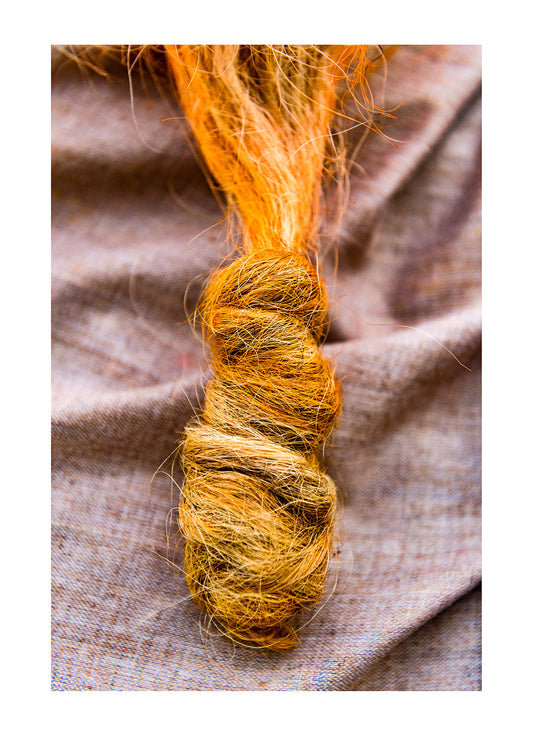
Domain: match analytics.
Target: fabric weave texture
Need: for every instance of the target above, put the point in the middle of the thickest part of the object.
(135, 233)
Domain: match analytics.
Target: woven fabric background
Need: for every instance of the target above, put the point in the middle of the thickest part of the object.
(136, 231)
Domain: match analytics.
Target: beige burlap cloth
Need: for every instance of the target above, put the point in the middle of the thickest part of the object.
(135, 233)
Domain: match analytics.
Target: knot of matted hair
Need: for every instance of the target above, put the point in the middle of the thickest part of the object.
(256, 510)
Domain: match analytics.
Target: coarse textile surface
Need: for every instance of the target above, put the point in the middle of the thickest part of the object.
(136, 231)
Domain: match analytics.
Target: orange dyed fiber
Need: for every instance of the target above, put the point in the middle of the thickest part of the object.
(257, 510)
